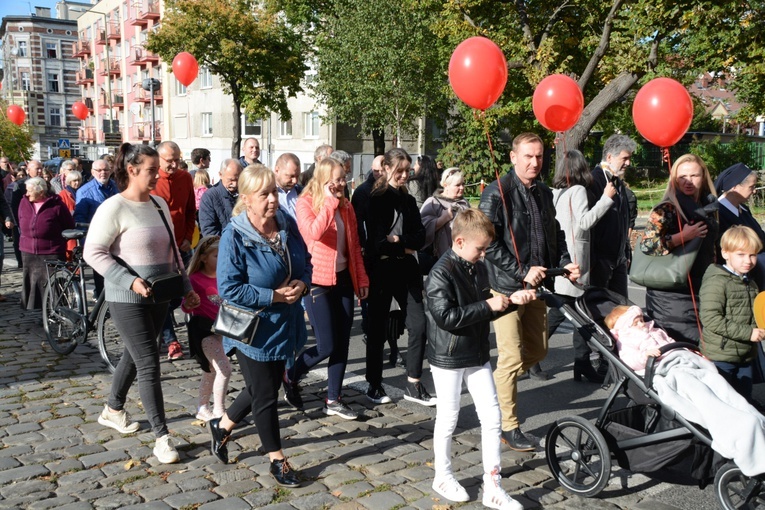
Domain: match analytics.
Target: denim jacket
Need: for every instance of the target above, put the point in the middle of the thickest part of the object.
(249, 271)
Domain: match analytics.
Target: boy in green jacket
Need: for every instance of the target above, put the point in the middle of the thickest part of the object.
(726, 303)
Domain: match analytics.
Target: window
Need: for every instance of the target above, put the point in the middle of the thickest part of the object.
(25, 83)
(54, 116)
(205, 78)
(180, 88)
(22, 49)
(53, 82)
(285, 128)
(311, 124)
(51, 50)
(252, 127)
(207, 129)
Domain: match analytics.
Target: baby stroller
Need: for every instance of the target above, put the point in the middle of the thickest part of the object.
(644, 435)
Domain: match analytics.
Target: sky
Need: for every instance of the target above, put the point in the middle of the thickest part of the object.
(23, 8)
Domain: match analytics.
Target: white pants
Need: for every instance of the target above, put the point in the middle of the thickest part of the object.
(480, 384)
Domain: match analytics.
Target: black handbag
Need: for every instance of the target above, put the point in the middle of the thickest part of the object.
(236, 323)
(167, 286)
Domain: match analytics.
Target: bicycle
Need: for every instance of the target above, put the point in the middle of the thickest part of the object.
(65, 314)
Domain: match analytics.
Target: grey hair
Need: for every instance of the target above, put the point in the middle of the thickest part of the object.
(74, 174)
(340, 156)
(615, 144)
(321, 152)
(37, 185)
(227, 162)
(68, 163)
(449, 174)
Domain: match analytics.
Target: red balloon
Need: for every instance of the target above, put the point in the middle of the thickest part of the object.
(16, 114)
(662, 111)
(80, 110)
(558, 102)
(185, 68)
(478, 72)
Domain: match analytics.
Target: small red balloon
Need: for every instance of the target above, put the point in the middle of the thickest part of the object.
(185, 68)
(662, 111)
(80, 110)
(478, 72)
(558, 102)
(16, 114)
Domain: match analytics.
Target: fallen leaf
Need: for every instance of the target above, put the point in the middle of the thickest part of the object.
(131, 464)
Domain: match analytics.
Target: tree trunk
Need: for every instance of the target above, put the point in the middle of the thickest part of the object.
(237, 130)
(606, 97)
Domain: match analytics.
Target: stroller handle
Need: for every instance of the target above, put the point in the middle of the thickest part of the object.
(650, 364)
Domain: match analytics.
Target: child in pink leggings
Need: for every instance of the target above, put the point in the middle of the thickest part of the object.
(205, 346)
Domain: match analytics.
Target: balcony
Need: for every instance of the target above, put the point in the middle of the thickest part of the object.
(143, 96)
(113, 32)
(81, 48)
(88, 134)
(142, 131)
(118, 99)
(140, 57)
(83, 77)
(143, 11)
(110, 67)
(101, 36)
(111, 139)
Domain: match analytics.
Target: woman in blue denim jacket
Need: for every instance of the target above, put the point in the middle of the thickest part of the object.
(263, 264)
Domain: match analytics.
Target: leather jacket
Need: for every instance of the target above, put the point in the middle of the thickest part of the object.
(458, 315)
(506, 272)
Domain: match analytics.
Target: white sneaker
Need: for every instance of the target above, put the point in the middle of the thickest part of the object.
(448, 487)
(494, 496)
(119, 421)
(205, 414)
(166, 452)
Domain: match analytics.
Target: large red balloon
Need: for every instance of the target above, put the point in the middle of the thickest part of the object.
(662, 111)
(478, 72)
(558, 102)
(185, 68)
(16, 114)
(80, 110)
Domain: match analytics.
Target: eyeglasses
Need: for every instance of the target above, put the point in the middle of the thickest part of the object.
(171, 161)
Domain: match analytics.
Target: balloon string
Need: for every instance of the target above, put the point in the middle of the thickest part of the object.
(560, 137)
(501, 192)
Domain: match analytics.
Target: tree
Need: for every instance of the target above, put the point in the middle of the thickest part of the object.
(258, 57)
(16, 142)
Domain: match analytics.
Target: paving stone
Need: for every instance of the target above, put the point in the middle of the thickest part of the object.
(190, 498)
(381, 500)
(85, 476)
(353, 490)
(227, 504)
(97, 459)
(7, 463)
(22, 473)
(119, 500)
(64, 466)
(25, 488)
(152, 505)
(338, 479)
(159, 491)
(54, 502)
(260, 498)
(239, 488)
(313, 501)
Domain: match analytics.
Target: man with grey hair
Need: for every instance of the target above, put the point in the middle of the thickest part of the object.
(58, 183)
(610, 241)
(321, 152)
(218, 202)
(287, 172)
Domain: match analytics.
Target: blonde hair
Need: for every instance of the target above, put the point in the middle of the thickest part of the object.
(612, 317)
(450, 175)
(206, 245)
(253, 178)
(707, 186)
(739, 237)
(201, 178)
(322, 174)
(470, 223)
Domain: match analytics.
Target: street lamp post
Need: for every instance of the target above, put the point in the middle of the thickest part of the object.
(152, 85)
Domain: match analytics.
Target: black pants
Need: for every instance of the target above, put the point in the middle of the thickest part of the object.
(416, 330)
(260, 395)
(138, 326)
(608, 275)
(555, 318)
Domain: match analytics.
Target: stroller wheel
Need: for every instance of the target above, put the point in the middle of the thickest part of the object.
(735, 490)
(578, 456)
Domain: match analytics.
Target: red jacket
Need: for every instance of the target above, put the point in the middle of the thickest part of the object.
(319, 231)
(178, 191)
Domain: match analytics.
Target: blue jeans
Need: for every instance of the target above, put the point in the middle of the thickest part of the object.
(738, 375)
(330, 310)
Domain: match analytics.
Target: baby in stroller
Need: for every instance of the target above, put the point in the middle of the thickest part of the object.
(636, 339)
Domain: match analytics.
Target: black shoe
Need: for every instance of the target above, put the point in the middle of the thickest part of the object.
(517, 441)
(218, 439)
(395, 360)
(292, 395)
(537, 373)
(284, 474)
(416, 392)
(583, 367)
(378, 395)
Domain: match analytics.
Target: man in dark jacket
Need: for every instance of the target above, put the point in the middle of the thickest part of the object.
(251, 149)
(610, 241)
(528, 242)
(218, 202)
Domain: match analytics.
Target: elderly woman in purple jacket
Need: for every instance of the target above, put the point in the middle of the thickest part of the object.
(42, 218)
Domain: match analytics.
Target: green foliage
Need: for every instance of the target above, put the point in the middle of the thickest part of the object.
(16, 142)
(719, 156)
(259, 58)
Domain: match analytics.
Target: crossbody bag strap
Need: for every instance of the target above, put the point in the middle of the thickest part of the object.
(169, 232)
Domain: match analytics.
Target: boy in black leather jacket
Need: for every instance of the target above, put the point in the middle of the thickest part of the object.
(460, 306)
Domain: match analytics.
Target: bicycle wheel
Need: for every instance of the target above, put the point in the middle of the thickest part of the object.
(63, 311)
(109, 342)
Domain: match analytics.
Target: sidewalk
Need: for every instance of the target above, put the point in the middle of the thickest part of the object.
(55, 455)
